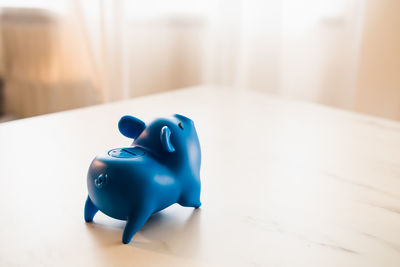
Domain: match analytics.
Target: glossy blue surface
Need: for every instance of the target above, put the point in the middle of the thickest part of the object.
(162, 167)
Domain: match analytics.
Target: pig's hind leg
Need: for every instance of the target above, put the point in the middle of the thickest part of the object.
(134, 223)
(90, 210)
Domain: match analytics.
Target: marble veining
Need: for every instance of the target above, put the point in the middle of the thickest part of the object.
(274, 226)
(389, 244)
(362, 185)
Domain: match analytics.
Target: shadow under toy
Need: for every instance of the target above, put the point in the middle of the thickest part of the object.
(162, 167)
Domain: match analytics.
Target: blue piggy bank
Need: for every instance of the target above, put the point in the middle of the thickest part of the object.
(162, 167)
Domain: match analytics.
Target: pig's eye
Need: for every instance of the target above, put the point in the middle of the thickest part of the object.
(180, 125)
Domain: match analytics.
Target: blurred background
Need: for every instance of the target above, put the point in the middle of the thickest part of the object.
(58, 55)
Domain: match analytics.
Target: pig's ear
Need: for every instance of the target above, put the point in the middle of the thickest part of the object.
(130, 126)
(165, 136)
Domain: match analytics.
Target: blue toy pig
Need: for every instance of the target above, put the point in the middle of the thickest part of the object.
(162, 167)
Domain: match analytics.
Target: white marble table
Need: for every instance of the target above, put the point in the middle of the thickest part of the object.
(283, 184)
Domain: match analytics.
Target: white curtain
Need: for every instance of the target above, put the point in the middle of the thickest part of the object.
(104, 50)
(306, 49)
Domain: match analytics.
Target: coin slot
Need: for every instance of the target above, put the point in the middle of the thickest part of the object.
(130, 152)
(127, 152)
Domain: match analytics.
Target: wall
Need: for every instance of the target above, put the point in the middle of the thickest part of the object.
(378, 81)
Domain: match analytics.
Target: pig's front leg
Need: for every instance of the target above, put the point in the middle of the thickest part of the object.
(190, 198)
